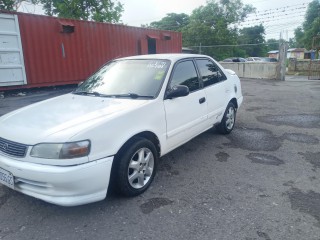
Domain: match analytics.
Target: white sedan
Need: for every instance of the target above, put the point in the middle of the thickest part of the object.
(114, 127)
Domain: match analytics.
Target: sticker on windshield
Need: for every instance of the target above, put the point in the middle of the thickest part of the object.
(159, 75)
(156, 64)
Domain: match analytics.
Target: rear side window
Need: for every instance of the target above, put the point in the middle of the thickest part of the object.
(185, 74)
(210, 72)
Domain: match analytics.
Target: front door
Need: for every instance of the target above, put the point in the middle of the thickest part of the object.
(186, 116)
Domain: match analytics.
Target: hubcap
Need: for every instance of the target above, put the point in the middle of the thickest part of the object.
(230, 118)
(140, 168)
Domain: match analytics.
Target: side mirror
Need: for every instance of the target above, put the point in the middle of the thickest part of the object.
(177, 91)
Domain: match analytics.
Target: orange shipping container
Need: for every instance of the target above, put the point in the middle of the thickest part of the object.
(45, 51)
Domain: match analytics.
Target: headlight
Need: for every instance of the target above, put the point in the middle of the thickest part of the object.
(61, 150)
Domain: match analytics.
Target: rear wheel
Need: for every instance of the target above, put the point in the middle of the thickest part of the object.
(136, 167)
(228, 120)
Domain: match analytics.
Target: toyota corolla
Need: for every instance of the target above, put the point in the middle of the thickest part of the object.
(114, 127)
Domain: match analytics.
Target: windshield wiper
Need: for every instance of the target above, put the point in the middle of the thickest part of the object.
(130, 95)
(87, 93)
(125, 95)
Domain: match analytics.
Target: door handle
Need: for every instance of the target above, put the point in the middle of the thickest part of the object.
(202, 100)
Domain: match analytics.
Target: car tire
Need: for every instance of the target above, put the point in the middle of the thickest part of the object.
(135, 167)
(228, 121)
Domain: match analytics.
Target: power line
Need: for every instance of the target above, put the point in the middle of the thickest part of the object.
(233, 45)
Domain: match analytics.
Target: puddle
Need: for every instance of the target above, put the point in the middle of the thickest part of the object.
(222, 157)
(264, 195)
(248, 95)
(313, 158)
(253, 109)
(265, 159)
(153, 204)
(305, 202)
(263, 235)
(302, 138)
(165, 167)
(288, 183)
(300, 121)
(253, 139)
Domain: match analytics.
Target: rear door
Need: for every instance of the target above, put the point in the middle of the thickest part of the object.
(215, 87)
(186, 116)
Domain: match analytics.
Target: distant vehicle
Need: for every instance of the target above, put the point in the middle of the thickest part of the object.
(268, 59)
(234, 59)
(254, 59)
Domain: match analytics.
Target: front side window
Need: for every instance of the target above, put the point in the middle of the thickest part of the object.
(185, 74)
(132, 77)
(209, 72)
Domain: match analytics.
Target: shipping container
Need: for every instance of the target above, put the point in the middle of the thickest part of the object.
(38, 50)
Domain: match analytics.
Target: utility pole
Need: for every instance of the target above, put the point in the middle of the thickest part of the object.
(281, 68)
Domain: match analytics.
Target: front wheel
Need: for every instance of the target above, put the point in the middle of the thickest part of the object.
(136, 167)
(228, 120)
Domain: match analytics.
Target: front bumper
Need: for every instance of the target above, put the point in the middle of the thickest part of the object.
(61, 185)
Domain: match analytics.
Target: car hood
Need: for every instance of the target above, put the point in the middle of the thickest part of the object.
(64, 114)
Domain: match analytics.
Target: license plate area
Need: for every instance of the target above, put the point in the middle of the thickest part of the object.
(6, 178)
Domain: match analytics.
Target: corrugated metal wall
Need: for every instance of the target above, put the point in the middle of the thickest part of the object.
(54, 58)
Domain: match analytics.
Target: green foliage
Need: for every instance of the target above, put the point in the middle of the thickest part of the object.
(100, 11)
(272, 44)
(311, 14)
(7, 5)
(173, 22)
(11, 5)
(298, 41)
(310, 27)
(253, 35)
(212, 24)
(208, 25)
(228, 11)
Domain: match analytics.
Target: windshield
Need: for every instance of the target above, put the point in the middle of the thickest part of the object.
(127, 78)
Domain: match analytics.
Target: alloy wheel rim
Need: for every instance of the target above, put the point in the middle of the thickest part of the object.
(230, 118)
(140, 168)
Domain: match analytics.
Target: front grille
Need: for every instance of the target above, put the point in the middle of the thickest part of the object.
(13, 148)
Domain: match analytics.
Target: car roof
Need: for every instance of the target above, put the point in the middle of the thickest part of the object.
(173, 57)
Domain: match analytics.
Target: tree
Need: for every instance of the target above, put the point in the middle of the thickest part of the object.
(299, 37)
(12, 5)
(100, 11)
(253, 35)
(173, 22)
(310, 27)
(213, 24)
(272, 44)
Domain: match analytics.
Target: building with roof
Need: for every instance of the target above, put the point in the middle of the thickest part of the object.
(297, 53)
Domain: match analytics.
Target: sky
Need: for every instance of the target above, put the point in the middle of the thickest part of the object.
(137, 12)
(278, 16)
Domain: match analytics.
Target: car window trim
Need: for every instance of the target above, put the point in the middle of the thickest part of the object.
(173, 69)
(204, 58)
